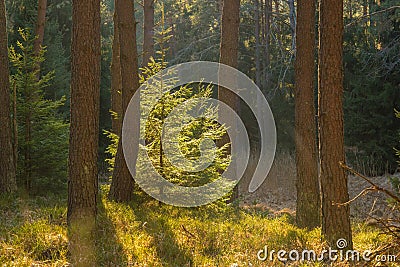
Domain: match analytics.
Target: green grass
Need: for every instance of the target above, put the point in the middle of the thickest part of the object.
(33, 233)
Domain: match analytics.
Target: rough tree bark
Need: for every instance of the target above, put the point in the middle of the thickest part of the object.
(229, 56)
(84, 130)
(122, 182)
(148, 31)
(335, 219)
(308, 193)
(7, 166)
(116, 80)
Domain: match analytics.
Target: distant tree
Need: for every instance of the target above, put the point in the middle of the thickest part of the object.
(308, 193)
(122, 182)
(257, 30)
(40, 23)
(116, 80)
(229, 56)
(292, 18)
(335, 219)
(7, 165)
(266, 40)
(39, 30)
(85, 102)
(148, 31)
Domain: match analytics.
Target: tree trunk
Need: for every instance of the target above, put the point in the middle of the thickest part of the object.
(365, 7)
(267, 41)
(84, 130)
(350, 6)
(292, 18)
(308, 193)
(335, 219)
(229, 56)
(258, 43)
(15, 125)
(39, 30)
(27, 141)
(40, 22)
(122, 183)
(116, 81)
(7, 166)
(148, 31)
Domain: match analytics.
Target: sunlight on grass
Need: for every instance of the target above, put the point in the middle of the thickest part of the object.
(144, 233)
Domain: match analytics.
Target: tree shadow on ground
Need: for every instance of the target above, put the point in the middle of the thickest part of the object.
(169, 252)
(109, 251)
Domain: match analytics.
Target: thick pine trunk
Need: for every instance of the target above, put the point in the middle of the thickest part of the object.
(335, 219)
(229, 56)
(116, 81)
(84, 130)
(308, 193)
(7, 166)
(122, 182)
(148, 31)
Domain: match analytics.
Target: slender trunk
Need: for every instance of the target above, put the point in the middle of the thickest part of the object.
(258, 45)
(365, 13)
(39, 30)
(292, 17)
(122, 183)
(307, 184)
(84, 131)
(350, 4)
(7, 166)
(172, 42)
(335, 219)
(116, 81)
(365, 7)
(27, 159)
(148, 31)
(229, 56)
(371, 9)
(15, 125)
(267, 41)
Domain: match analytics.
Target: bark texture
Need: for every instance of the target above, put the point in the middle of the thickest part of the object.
(116, 80)
(148, 31)
(229, 56)
(84, 130)
(122, 182)
(7, 166)
(335, 219)
(308, 194)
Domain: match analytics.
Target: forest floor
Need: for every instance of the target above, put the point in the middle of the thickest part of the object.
(278, 193)
(33, 232)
